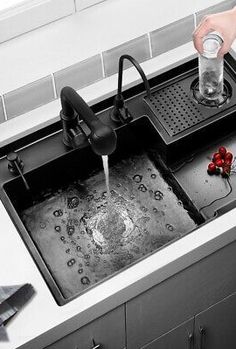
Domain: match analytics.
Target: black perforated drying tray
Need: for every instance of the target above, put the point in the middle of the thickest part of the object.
(176, 110)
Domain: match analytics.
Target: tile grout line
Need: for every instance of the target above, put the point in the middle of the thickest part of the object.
(4, 108)
(195, 20)
(54, 85)
(75, 6)
(150, 45)
(103, 67)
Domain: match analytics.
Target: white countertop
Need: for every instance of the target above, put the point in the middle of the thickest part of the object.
(17, 266)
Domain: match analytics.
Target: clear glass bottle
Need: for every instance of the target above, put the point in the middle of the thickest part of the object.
(211, 68)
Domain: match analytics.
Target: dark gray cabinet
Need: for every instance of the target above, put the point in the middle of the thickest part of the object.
(179, 298)
(215, 328)
(179, 338)
(108, 331)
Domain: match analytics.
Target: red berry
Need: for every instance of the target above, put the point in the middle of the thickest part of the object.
(216, 156)
(229, 157)
(211, 168)
(219, 162)
(226, 171)
(228, 162)
(222, 151)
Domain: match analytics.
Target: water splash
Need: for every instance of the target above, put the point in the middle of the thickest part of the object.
(106, 172)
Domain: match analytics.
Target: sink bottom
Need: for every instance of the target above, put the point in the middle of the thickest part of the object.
(83, 239)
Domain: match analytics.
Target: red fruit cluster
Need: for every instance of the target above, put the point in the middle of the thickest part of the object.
(221, 162)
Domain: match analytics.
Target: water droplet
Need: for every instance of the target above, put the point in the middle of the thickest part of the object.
(87, 264)
(158, 195)
(78, 248)
(169, 227)
(85, 280)
(118, 185)
(70, 229)
(57, 228)
(42, 225)
(104, 195)
(62, 238)
(72, 202)
(68, 250)
(170, 189)
(87, 256)
(137, 178)
(143, 208)
(80, 271)
(142, 188)
(153, 175)
(71, 262)
(180, 203)
(155, 210)
(58, 213)
(132, 197)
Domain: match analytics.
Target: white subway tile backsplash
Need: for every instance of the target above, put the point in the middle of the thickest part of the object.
(29, 97)
(220, 7)
(79, 75)
(137, 48)
(171, 36)
(31, 15)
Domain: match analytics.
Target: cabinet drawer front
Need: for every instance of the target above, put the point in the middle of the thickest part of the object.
(215, 328)
(108, 330)
(179, 338)
(180, 297)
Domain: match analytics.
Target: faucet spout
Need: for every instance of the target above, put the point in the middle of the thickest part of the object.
(102, 137)
(120, 112)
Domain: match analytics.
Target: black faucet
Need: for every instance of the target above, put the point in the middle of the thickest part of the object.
(120, 112)
(102, 137)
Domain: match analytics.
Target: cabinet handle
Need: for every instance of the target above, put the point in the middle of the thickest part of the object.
(190, 340)
(202, 332)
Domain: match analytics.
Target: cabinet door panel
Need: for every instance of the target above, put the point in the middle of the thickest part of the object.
(108, 330)
(218, 324)
(179, 338)
(180, 297)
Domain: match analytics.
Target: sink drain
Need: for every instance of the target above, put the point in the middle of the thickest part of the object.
(215, 103)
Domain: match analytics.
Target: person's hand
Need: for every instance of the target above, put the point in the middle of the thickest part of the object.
(224, 23)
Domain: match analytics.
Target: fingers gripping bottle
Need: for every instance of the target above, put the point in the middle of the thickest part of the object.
(211, 68)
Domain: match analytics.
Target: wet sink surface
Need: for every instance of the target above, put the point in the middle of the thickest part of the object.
(75, 237)
(83, 240)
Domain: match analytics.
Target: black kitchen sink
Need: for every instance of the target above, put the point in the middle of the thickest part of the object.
(160, 189)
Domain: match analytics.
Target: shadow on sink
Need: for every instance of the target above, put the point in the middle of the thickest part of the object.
(76, 238)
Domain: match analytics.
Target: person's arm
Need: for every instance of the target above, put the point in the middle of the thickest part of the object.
(224, 23)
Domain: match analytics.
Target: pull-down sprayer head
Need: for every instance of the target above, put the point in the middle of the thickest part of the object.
(102, 137)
